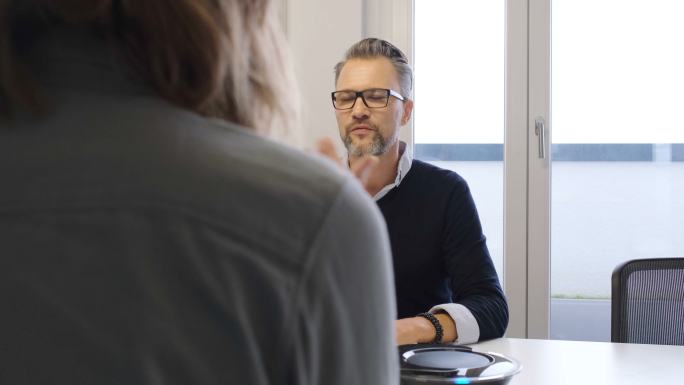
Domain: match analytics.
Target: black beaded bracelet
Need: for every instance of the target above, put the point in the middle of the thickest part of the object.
(439, 332)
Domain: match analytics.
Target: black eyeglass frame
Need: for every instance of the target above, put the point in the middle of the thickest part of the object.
(390, 92)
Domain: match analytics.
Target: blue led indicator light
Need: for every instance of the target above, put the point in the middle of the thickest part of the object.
(461, 381)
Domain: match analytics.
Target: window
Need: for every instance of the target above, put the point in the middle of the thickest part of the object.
(459, 94)
(617, 91)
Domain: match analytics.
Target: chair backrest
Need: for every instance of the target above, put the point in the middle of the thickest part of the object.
(648, 302)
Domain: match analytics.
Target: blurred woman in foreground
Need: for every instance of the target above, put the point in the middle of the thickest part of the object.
(150, 233)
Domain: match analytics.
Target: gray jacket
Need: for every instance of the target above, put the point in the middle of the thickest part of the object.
(143, 244)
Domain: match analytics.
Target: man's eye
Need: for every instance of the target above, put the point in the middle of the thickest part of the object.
(376, 95)
(345, 97)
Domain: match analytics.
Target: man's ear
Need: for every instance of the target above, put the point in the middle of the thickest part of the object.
(408, 110)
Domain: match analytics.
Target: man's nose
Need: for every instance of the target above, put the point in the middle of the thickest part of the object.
(360, 109)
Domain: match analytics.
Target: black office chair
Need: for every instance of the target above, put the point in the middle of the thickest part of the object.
(648, 302)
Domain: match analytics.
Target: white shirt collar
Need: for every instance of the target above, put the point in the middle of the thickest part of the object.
(403, 167)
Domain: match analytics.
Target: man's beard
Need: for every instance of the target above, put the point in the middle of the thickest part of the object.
(378, 145)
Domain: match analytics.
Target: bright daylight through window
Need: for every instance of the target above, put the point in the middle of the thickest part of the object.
(617, 134)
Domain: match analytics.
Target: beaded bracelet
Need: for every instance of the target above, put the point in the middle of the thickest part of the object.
(439, 332)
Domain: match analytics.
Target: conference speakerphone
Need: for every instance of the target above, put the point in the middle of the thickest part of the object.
(424, 364)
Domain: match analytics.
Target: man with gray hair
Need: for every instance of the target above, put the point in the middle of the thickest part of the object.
(446, 285)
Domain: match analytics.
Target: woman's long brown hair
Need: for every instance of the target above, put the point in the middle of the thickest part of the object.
(219, 58)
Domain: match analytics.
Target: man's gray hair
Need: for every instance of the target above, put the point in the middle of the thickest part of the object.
(371, 48)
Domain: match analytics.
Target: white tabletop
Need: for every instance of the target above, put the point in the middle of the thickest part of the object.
(551, 362)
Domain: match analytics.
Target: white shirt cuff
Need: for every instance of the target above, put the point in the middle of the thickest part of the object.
(466, 325)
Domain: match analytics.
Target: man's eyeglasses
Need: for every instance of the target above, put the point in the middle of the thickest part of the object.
(372, 98)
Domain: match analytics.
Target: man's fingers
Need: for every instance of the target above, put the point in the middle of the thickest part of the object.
(361, 169)
(327, 149)
(364, 168)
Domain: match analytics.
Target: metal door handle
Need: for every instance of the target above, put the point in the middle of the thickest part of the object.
(540, 131)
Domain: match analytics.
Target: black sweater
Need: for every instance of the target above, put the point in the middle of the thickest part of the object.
(440, 254)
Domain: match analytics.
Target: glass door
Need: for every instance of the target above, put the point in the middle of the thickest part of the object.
(471, 111)
(592, 137)
(617, 93)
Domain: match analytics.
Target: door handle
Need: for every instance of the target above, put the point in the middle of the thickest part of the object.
(540, 131)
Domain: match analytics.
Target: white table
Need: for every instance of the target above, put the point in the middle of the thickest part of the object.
(552, 362)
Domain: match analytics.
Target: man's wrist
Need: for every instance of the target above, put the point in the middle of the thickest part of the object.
(424, 330)
(448, 325)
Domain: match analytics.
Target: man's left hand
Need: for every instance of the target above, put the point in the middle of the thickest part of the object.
(361, 169)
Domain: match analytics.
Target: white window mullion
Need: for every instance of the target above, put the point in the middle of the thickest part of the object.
(515, 168)
(539, 170)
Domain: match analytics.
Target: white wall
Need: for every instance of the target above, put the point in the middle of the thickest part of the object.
(319, 31)
(392, 20)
